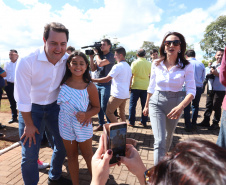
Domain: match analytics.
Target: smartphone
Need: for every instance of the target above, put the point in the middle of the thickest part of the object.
(117, 140)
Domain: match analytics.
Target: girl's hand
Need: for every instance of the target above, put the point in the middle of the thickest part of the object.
(100, 164)
(87, 122)
(81, 116)
(175, 112)
(145, 111)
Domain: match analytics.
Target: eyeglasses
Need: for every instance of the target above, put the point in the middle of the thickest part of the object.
(147, 175)
(175, 42)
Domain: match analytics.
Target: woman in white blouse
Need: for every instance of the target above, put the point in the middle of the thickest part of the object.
(165, 101)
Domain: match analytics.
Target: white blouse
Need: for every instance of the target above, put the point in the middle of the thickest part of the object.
(172, 80)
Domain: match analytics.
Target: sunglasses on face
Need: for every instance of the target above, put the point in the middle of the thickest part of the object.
(169, 42)
(147, 175)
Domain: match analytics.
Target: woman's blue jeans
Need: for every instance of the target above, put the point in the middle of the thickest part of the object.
(221, 141)
(42, 116)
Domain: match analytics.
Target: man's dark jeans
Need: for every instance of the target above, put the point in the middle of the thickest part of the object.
(213, 103)
(195, 108)
(134, 96)
(9, 89)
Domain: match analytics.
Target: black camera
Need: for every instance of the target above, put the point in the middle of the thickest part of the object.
(211, 76)
(96, 45)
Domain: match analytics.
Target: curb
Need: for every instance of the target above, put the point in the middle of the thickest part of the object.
(9, 148)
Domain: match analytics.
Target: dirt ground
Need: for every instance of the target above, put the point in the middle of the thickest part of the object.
(11, 134)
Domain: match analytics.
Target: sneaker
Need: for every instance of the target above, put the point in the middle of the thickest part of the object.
(61, 181)
(214, 127)
(42, 165)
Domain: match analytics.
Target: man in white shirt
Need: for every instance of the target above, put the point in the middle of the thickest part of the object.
(9, 82)
(37, 84)
(120, 75)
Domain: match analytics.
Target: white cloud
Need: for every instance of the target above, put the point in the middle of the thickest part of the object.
(28, 2)
(182, 7)
(131, 21)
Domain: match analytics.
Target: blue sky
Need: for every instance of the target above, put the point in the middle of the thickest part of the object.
(130, 21)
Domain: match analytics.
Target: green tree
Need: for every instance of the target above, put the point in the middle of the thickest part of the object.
(148, 46)
(131, 56)
(214, 37)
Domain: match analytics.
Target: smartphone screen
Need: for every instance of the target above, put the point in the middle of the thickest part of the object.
(117, 141)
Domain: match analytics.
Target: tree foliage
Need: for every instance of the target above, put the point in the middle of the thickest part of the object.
(131, 56)
(214, 37)
(148, 46)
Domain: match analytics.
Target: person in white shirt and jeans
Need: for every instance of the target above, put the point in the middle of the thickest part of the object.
(165, 97)
(37, 85)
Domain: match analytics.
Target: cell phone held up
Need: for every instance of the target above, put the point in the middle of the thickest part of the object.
(115, 139)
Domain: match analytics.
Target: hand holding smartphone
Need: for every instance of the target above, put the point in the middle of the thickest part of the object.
(115, 139)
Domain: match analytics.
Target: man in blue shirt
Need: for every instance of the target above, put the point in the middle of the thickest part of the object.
(199, 72)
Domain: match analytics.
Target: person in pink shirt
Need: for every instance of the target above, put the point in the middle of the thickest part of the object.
(221, 141)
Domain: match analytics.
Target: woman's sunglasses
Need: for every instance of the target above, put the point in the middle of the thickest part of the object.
(169, 42)
(147, 175)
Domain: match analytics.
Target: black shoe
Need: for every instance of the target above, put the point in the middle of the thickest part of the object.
(13, 120)
(214, 127)
(99, 128)
(188, 129)
(194, 127)
(204, 123)
(2, 126)
(144, 125)
(61, 181)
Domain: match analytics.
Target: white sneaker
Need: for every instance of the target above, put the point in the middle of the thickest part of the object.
(42, 165)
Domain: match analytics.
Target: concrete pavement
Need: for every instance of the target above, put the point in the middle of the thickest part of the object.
(10, 172)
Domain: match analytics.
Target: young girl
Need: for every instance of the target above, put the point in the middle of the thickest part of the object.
(76, 93)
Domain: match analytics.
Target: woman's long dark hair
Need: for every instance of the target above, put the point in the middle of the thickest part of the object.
(86, 76)
(192, 162)
(183, 62)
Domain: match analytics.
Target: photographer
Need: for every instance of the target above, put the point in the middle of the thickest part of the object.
(215, 94)
(103, 64)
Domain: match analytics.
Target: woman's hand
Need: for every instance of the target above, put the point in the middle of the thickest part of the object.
(175, 112)
(133, 162)
(100, 164)
(145, 111)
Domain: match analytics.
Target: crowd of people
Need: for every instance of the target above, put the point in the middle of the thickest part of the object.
(60, 98)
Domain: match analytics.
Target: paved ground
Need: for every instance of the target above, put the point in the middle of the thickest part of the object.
(10, 172)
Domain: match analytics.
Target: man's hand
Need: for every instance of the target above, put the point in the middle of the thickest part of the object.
(29, 134)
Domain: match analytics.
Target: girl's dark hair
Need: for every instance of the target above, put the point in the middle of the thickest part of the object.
(183, 62)
(86, 76)
(192, 162)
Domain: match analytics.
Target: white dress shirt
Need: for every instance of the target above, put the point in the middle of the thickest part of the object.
(37, 80)
(10, 71)
(172, 80)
